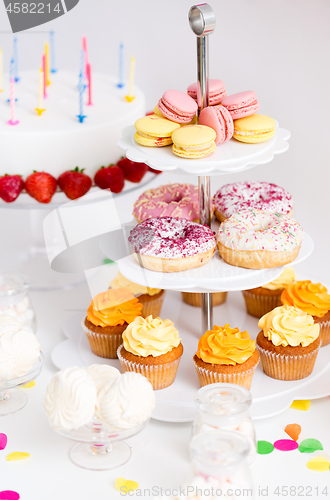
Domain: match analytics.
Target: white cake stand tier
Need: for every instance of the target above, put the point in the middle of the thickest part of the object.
(230, 157)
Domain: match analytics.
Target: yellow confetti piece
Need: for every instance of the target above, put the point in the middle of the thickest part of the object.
(17, 455)
(301, 404)
(124, 485)
(318, 464)
(29, 385)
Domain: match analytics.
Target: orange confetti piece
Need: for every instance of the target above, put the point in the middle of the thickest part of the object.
(319, 464)
(124, 485)
(301, 404)
(293, 430)
(17, 455)
(29, 385)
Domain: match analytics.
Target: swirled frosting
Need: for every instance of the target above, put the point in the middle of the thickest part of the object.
(19, 348)
(284, 280)
(70, 398)
(102, 374)
(225, 346)
(311, 298)
(121, 282)
(114, 307)
(150, 336)
(125, 402)
(287, 325)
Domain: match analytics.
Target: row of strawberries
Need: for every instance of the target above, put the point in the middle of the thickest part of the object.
(42, 186)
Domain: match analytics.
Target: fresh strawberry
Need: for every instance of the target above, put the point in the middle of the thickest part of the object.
(154, 170)
(111, 177)
(74, 183)
(133, 171)
(41, 186)
(10, 187)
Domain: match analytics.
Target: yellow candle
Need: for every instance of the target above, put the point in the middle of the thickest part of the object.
(47, 64)
(130, 95)
(1, 70)
(40, 107)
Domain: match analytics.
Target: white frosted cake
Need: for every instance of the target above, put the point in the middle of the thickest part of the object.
(55, 141)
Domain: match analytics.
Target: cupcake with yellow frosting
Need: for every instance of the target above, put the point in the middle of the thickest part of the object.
(226, 355)
(152, 347)
(151, 298)
(108, 316)
(288, 343)
(265, 298)
(313, 299)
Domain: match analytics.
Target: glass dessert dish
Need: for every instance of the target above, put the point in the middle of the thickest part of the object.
(15, 301)
(225, 407)
(13, 399)
(100, 448)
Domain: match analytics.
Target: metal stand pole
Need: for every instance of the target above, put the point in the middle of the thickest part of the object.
(202, 23)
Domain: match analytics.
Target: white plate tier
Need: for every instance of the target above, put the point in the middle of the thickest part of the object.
(231, 156)
(176, 403)
(216, 275)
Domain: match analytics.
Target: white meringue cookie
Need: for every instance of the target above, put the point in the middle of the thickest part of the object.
(102, 374)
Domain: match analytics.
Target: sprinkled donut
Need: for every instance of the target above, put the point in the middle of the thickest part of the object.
(172, 200)
(168, 244)
(257, 240)
(239, 196)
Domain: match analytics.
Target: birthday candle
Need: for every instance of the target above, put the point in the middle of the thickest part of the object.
(44, 75)
(89, 79)
(81, 115)
(52, 52)
(1, 70)
(40, 107)
(121, 65)
(130, 95)
(12, 120)
(47, 64)
(84, 45)
(16, 60)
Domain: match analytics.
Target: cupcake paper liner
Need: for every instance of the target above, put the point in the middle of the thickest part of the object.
(258, 305)
(324, 332)
(283, 367)
(195, 299)
(243, 378)
(104, 345)
(153, 307)
(160, 376)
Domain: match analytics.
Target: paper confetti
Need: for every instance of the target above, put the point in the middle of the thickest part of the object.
(301, 404)
(285, 445)
(9, 495)
(3, 441)
(124, 485)
(310, 445)
(319, 464)
(293, 430)
(264, 447)
(29, 385)
(17, 455)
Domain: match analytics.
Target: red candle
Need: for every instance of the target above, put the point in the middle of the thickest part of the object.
(84, 45)
(89, 79)
(45, 76)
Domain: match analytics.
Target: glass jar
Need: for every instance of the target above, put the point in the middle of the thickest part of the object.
(220, 468)
(15, 301)
(225, 406)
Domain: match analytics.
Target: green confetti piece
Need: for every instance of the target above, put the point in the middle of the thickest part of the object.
(310, 445)
(264, 447)
(108, 261)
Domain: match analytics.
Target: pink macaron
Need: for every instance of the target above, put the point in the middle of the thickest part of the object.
(241, 104)
(218, 118)
(217, 92)
(177, 106)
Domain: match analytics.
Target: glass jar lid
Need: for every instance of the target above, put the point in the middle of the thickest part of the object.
(13, 288)
(223, 400)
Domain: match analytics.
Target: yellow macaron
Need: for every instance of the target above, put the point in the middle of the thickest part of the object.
(193, 141)
(254, 128)
(154, 131)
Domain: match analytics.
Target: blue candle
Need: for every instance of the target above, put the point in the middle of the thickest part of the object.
(121, 65)
(81, 86)
(52, 52)
(82, 69)
(16, 60)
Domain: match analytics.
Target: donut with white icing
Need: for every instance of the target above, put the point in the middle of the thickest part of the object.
(168, 244)
(232, 198)
(256, 239)
(172, 200)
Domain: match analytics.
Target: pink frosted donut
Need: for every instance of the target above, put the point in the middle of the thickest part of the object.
(172, 200)
(233, 198)
(168, 244)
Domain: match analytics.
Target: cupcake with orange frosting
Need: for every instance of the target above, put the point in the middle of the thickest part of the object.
(265, 298)
(152, 347)
(313, 299)
(226, 355)
(108, 316)
(288, 343)
(151, 298)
